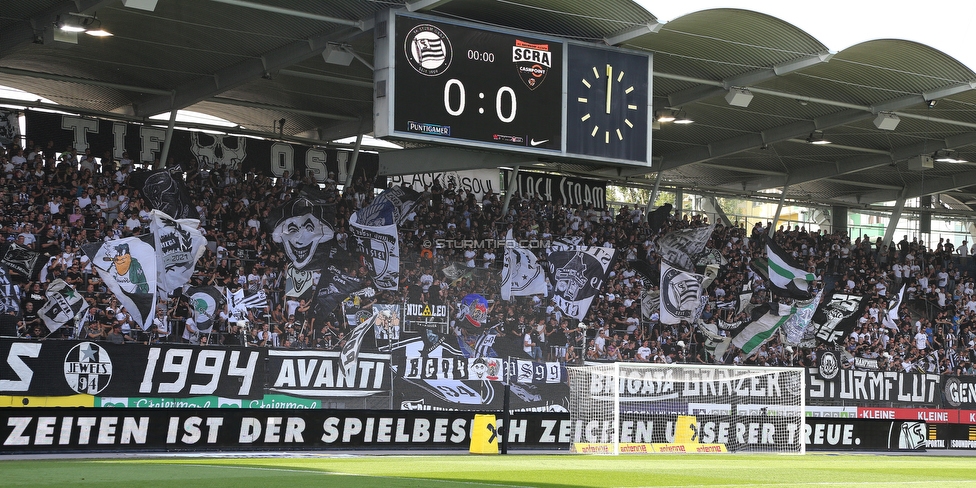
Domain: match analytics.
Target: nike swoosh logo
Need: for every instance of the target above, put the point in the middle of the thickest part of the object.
(534, 142)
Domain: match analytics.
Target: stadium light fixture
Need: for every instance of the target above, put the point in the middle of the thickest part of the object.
(817, 137)
(78, 22)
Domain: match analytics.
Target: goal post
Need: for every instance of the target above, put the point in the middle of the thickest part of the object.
(636, 407)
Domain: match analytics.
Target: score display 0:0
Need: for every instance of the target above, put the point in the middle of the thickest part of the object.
(455, 84)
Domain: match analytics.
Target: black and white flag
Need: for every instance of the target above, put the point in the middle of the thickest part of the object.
(23, 263)
(577, 276)
(837, 316)
(128, 268)
(521, 273)
(239, 301)
(207, 302)
(403, 199)
(165, 190)
(681, 246)
(350, 351)
(564, 243)
(10, 293)
(179, 244)
(681, 293)
(63, 304)
(304, 227)
(374, 228)
(9, 127)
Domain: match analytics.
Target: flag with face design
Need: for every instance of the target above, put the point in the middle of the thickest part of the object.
(304, 227)
(128, 268)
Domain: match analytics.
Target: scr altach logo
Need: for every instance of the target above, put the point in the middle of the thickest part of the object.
(87, 368)
(532, 61)
(428, 50)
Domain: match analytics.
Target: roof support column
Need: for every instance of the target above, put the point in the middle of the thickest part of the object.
(352, 162)
(779, 208)
(169, 138)
(895, 218)
(679, 197)
(509, 185)
(650, 201)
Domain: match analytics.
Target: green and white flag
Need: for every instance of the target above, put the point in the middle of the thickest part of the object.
(759, 331)
(786, 277)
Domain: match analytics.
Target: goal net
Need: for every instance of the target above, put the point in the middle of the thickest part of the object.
(634, 407)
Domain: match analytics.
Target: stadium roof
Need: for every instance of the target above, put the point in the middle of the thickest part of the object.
(254, 62)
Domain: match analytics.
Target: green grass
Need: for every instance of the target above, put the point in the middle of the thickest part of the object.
(450, 470)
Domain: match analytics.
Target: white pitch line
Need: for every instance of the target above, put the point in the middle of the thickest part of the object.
(913, 484)
(333, 473)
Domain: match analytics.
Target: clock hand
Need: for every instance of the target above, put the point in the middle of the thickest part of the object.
(609, 90)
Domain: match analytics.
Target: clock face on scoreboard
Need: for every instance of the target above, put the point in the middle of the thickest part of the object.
(607, 109)
(448, 82)
(464, 84)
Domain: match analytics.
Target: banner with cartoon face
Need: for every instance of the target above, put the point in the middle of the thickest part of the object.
(128, 268)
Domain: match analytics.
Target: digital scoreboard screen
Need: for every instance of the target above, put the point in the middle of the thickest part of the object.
(449, 82)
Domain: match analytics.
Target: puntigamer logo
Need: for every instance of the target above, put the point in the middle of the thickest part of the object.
(428, 50)
(87, 368)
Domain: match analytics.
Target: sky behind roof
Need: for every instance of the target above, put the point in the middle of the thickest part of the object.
(946, 25)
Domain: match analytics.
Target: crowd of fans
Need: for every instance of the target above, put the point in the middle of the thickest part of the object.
(54, 201)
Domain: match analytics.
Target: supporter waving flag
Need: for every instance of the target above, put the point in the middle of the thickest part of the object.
(757, 332)
(63, 304)
(179, 244)
(304, 227)
(521, 275)
(681, 293)
(128, 268)
(795, 329)
(24, 264)
(679, 247)
(165, 190)
(890, 318)
(578, 275)
(375, 229)
(786, 277)
(206, 303)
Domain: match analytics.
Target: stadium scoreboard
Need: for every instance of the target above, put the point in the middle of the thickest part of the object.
(449, 82)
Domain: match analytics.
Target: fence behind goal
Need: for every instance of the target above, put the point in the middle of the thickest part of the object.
(636, 407)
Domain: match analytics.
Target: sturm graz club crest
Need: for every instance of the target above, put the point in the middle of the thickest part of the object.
(532, 61)
(680, 295)
(87, 368)
(428, 50)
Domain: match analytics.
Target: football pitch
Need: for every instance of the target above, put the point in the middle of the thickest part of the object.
(453, 470)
